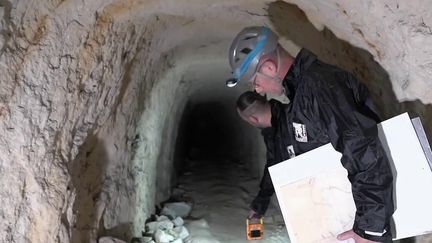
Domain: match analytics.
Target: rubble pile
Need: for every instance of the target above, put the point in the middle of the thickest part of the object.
(168, 227)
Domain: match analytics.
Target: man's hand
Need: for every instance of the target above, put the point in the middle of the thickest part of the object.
(253, 215)
(351, 234)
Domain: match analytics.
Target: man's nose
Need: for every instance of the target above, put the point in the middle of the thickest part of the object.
(257, 88)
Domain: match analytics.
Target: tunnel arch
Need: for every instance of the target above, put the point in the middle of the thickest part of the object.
(94, 83)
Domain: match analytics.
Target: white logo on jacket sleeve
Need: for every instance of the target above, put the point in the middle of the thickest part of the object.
(291, 153)
(300, 132)
(375, 233)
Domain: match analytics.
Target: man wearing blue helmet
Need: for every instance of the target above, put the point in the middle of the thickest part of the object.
(328, 104)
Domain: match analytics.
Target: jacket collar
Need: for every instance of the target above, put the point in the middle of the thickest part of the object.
(275, 112)
(302, 62)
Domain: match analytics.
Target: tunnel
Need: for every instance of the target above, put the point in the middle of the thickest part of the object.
(105, 105)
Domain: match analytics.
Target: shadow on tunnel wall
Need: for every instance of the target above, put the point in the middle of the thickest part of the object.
(291, 22)
(181, 144)
(87, 177)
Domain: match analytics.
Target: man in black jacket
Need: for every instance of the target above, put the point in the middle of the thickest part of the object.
(270, 116)
(327, 105)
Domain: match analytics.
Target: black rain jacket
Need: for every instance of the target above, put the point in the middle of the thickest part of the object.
(328, 104)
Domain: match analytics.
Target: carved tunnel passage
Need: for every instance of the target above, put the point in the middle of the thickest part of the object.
(105, 105)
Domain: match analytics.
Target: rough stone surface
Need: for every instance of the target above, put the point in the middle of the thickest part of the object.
(92, 94)
(389, 49)
(89, 91)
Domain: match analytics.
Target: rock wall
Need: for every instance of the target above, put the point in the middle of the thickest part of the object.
(88, 92)
(66, 70)
(92, 93)
(387, 44)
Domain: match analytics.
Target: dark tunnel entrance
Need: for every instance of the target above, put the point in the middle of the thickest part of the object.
(210, 132)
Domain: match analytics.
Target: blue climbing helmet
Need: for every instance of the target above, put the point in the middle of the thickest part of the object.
(247, 48)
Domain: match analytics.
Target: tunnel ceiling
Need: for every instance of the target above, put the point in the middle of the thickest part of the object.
(92, 93)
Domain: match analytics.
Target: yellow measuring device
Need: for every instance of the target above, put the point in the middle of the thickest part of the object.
(254, 229)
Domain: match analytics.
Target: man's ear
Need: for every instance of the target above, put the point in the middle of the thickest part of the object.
(253, 120)
(268, 67)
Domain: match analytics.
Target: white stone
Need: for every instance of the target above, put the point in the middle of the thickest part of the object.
(173, 232)
(163, 237)
(151, 227)
(184, 233)
(178, 221)
(162, 225)
(181, 209)
(162, 218)
(177, 241)
(166, 225)
(168, 212)
(179, 232)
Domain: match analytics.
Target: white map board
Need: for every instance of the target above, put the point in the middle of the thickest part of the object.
(315, 195)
